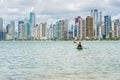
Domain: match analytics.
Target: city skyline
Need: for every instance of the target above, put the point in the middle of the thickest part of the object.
(59, 39)
(51, 11)
(95, 21)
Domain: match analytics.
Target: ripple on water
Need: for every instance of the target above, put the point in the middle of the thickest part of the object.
(59, 60)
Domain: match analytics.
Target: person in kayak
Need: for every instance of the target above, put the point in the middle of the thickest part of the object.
(79, 45)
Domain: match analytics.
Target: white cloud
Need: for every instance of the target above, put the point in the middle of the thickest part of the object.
(13, 10)
(50, 10)
(1, 1)
(116, 17)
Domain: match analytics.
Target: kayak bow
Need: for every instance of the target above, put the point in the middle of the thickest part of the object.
(79, 48)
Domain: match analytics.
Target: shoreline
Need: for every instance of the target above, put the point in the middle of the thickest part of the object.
(52, 40)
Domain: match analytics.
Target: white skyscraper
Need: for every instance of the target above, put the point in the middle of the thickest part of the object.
(80, 25)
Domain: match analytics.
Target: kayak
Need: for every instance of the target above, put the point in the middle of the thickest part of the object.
(79, 48)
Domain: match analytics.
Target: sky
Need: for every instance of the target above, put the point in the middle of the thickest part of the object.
(52, 10)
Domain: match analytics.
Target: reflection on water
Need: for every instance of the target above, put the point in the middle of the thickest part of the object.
(59, 60)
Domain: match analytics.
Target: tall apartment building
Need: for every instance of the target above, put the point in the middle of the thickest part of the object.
(1, 24)
(97, 21)
(43, 31)
(107, 26)
(32, 22)
(12, 23)
(90, 27)
(80, 25)
(117, 28)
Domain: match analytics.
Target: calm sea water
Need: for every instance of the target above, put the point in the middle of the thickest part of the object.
(59, 60)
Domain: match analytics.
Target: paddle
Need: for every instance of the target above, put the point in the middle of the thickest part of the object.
(82, 46)
(75, 42)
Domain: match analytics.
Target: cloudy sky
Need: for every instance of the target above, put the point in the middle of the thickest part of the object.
(52, 10)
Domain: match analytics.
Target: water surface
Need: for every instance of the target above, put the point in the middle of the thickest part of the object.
(59, 60)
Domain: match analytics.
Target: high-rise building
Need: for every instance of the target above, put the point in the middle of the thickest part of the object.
(54, 30)
(101, 31)
(8, 32)
(38, 32)
(62, 25)
(2, 32)
(89, 27)
(32, 22)
(75, 31)
(62, 29)
(27, 29)
(117, 28)
(97, 21)
(66, 31)
(80, 25)
(107, 26)
(100, 18)
(43, 31)
(70, 32)
(35, 35)
(83, 29)
(32, 19)
(12, 24)
(2, 35)
(51, 32)
(118, 31)
(22, 31)
(58, 30)
(8, 28)
(76, 27)
(1, 24)
(19, 25)
(113, 29)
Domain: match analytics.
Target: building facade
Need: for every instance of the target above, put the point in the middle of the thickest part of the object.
(43, 31)
(97, 21)
(107, 26)
(32, 22)
(50, 30)
(89, 27)
(12, 24)
(1, 24)
(116, 27)
(27, 29)
(19, 25)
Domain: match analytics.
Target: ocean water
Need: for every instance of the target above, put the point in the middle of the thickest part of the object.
(59, 60)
